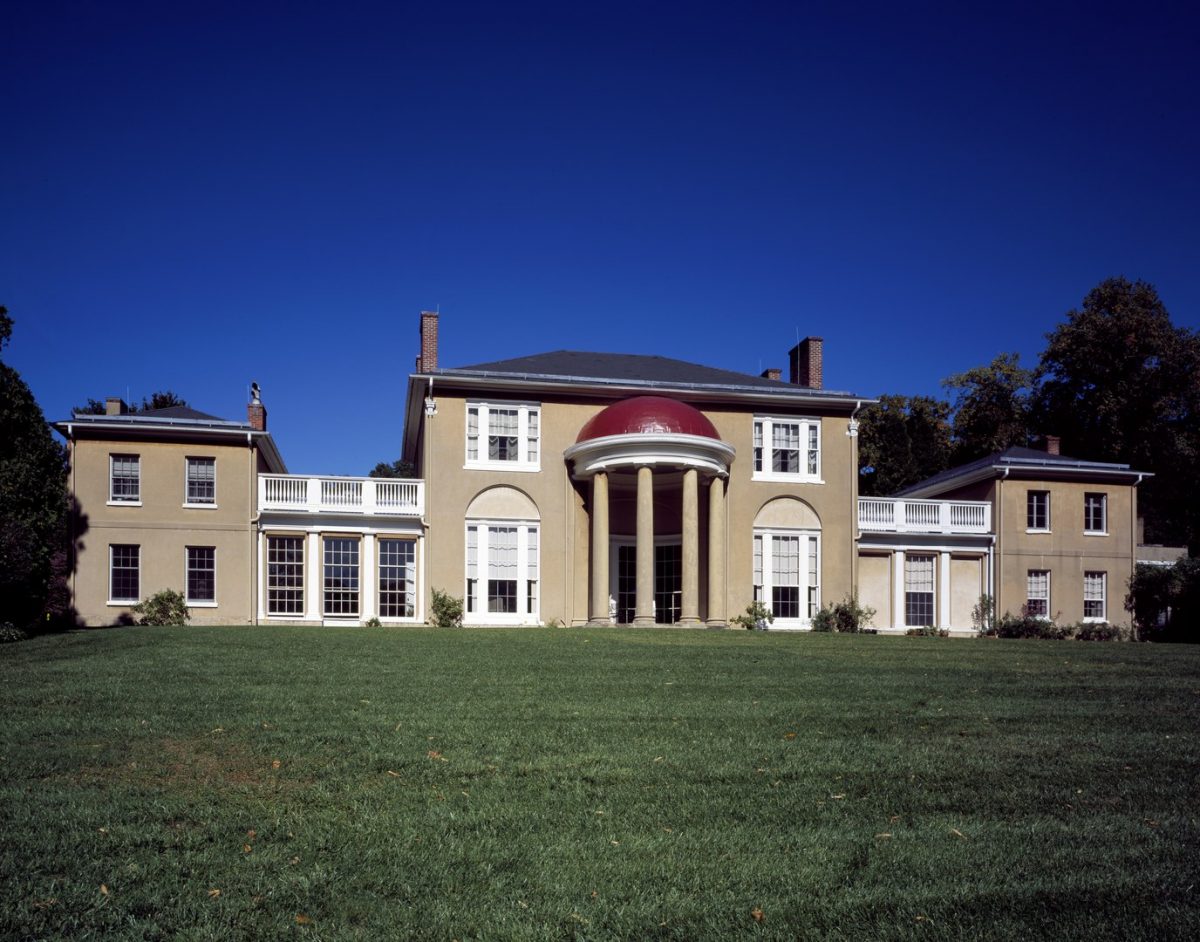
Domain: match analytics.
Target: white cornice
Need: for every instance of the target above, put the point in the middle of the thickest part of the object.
(637, 449)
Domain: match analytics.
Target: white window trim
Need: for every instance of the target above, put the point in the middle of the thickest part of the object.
(805, 423)
(1049, 591)
(358, 564)
(810, 542)
(199, 603)
(378, 588)
(1092, 619)
(304, 576)
(523, 411)
(481, 616)
(196, 504)
(122, 603)
(1103, 513)
(1049, 519)
(113, 502)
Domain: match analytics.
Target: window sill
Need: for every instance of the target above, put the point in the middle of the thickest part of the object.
(1095, 533)
(523, 466)
(1093, 620)
(1035, 530)
(123, 503)
(190, 604)
(772, 476)
(122, 603)
(188, 506)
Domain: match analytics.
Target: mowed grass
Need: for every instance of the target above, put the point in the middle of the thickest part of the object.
(229, 783)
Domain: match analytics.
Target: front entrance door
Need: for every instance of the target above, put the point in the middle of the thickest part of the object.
(668, 582)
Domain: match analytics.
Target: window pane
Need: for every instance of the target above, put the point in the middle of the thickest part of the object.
(814, 448)
(473, 433)
(341, 576)
(1094, 512)
(124, 573)
(1038, 510)
(758, 446)
(201, 480)
(1038, 593)
(1094, 586)
(201, 573)
(502, 570)
(786, 447)
(918, 590)
(126, 482)
(285, 575)
(532, 427)
(502, 435)
(397, 578)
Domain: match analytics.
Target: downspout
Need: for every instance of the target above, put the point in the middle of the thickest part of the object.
(72, 513)
(852, 432)
(998, 559)
(1133, 541)
(251, 527)
(427, 555)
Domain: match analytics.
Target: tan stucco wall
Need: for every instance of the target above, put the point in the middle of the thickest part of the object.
(561, 503)
(875, 586)
(163, 527)
(1066, 551)
(966, 585)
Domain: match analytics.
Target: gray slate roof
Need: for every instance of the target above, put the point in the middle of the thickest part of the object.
(180, 412)
(1014, 455)
(579, 365)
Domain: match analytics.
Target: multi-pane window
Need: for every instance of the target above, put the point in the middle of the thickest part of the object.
(1095, 595)
(503, 435)
(285, 575)
(340, 580)
(502, 572)
(918, 589)
(201, 480)
(124, 570)
(786, 575)
(1037, 595)
(1095, 513)
(125, 480)
(787, 448)
(1037, 510)
(397, 578)
(201, 574)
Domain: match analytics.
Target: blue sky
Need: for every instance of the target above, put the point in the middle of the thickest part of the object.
(194, 196)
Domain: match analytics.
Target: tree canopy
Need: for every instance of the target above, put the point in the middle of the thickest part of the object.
(33, 497)
(396, 469)
(158, 400)
(902, 440)
(990, 407)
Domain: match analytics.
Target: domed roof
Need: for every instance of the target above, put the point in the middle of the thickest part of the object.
(648, 415)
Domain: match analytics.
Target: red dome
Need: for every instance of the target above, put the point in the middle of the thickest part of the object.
(648, 415)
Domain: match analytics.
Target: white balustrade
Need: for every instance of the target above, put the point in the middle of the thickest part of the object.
(364, 496)
(897, 515)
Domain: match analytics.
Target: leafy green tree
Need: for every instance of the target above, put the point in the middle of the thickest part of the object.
(902, 440)
(990, 408)
(1120, 382)
(158, 400)
(396, 469)
(33, 497)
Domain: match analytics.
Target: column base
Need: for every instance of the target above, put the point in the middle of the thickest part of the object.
(717, 623)
(598, 623)
(644, 621)
(689, 621)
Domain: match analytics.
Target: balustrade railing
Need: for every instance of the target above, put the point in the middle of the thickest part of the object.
(368, 496)
(897, 515)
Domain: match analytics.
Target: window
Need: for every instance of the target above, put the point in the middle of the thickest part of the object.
(787, 449)
(1037, 510)
(202, 481)
(285, 575)
(1095, 513)
(125, 479)
(503, 435)
(201, 574)
(341, 576)
(918, 590)
(502, 572)
(124, 584)
(397, 578)
(1037, 595)
(785, 575)
(1095, 593)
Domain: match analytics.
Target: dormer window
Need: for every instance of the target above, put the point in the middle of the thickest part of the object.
(503, 435)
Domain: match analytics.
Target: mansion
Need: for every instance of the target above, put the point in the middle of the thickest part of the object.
(589, 488)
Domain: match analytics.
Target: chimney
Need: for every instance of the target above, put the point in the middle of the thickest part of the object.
(804, 359)
(772, 373)
(427, 361)
(1053, 444)
(114, 405)
(256, 412)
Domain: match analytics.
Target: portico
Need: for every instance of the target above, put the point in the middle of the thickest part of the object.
(660, 452)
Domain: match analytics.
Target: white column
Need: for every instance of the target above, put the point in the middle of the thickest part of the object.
(600, 541)
(260, 544)
(312, 577)
(944, 590)
(716, 553)
(898, 589)
(690, 601)
(366, 578)
(644, 608)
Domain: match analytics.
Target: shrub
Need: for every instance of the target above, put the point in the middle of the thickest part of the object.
(10, 632)
(846, 615)
(167, 607)
(372, 622)
(757, 618)
(983, 615)
(928, 632)
(1099, 631)
(447, 611)
(1028, 626)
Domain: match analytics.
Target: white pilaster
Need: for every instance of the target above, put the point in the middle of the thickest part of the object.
(944, 590)
(898, 589)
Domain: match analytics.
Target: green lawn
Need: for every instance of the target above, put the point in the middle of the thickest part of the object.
(561, 783)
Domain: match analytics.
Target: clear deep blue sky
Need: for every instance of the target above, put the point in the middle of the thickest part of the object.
(197, 195)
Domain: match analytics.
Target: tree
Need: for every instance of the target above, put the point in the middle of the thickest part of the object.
(991, 408)
(158, 400)
(1120, 382)
(397, 469)
(33, 496)
(902, 440)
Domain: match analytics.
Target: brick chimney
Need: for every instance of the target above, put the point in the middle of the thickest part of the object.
(1053, 445)
(805, 363)
(114, 405)
(428, 360)
(772, 373)
(256, 412)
